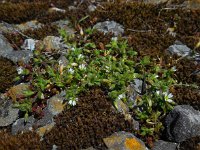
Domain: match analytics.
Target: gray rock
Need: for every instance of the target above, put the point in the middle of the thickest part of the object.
(29, 44)
(5, 46)
(21, 126)
(55, 104)
(155, 1)
(180, 49)
(47, 119)
(164, 145)
(64, 24)
(8, 114)
(182, 123)
(110, 26)
(34, 24)
(91, 8)
(7, 51)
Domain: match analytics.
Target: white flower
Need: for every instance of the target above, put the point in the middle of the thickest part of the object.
(158, 92)
(73, 101)
(173, 68)
(70, 70)
(74, 64)
(82, 67)
(168, 97)
(80, 56)
(121, 96)
(19, 70)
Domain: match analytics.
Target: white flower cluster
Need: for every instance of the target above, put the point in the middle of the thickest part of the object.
(72, 101)
(167, 96)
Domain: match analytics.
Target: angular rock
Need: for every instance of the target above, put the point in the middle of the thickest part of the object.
(55, 104)
(91, 8)
(17, 91)
(182, 123)
(64, 24)
(121, 107)
(180, 49)
(21, 126)
(7, 51)
(45, 129)
(5, 46)
(124, 141)
(34, 24)
(110, 26)
(164, 145)
(29, 44)
(8, 114)
(47, 119)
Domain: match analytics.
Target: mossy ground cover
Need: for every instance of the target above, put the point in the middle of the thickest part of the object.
(146, 28)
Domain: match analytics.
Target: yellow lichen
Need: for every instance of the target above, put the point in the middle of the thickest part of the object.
(133, 144)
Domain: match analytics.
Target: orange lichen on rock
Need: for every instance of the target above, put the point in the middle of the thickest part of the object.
(133, 144)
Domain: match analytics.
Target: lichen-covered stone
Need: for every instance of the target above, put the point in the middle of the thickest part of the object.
(8, 114)
(124, 141)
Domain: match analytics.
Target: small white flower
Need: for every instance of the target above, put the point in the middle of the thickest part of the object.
(158, 92)
(73, 101)
(121, 96)
(74, 64)
(82, 67)
(19, 70)
(80, 56)
(168, 97)
(173, 68)
(70, 70)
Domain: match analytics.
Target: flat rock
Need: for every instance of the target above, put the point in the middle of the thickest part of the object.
(8, 114)
(124, 141)
(21, 126)
(34, 24)
(55, 104)
(182, 123)
(110, 26)
(164, 145)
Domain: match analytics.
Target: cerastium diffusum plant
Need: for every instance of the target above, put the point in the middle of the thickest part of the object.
(114, 69)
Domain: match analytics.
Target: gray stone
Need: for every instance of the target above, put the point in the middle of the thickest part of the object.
(29, 44)
(182, 123)
(47, 119)
(155, 1)
(5, 46)
(55, 104)
(8, 114)
(7, 51)
(21, 126)
(110, 26)
(164, 145)
(34, 24)
(64, 24)
(180, 49)
(91, 8)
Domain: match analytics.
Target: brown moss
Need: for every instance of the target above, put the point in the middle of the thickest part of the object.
(192, 144)
(22, 11)
(86, 124)
(186, 96)
(24, 141)
(7, 74)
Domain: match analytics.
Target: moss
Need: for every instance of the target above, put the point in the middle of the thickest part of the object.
(23, 11)
(7, 74)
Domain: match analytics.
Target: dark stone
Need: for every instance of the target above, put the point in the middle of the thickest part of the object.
(182, 123)
(164, 145)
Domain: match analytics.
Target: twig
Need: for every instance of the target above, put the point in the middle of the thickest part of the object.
(139, 30)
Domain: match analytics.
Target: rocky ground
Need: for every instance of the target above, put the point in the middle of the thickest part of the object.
(167, 31)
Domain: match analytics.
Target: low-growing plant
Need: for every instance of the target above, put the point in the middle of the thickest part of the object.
(114, 68)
